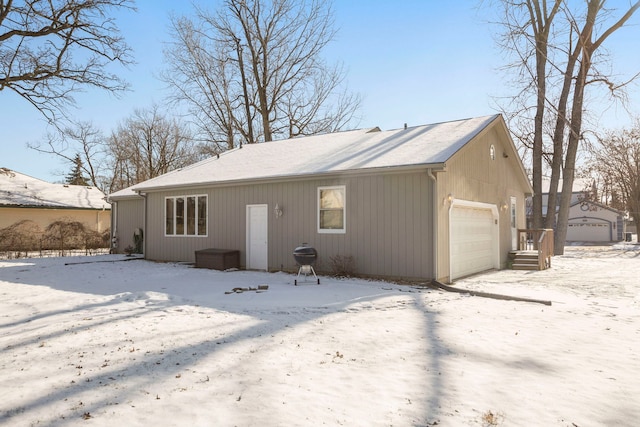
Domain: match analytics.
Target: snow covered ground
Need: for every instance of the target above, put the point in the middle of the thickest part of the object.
(99, 341)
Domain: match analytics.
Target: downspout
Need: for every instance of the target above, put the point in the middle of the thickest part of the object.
(434, 232)
(114, 226)
(144, 224)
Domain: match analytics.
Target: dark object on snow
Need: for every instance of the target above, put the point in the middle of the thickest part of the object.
(218, 259)
(438, 285)
(258, 289)
(305, 256)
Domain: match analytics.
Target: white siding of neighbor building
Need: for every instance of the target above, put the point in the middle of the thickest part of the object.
(591, 222)
(388, 221)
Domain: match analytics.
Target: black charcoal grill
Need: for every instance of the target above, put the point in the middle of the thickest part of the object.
(305, 256)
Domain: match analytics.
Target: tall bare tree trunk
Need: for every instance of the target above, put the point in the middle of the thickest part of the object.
(568, 172)
(245, 94)
(541, 22)
(528, 29)
(279, 86)
(587, 48)
(558, 139)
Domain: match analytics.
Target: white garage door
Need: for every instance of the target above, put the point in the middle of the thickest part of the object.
(474, 240)
(588, 230)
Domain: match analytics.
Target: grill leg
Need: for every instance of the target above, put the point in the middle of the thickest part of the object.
(295, 282)
(314, 274)
(306, 269)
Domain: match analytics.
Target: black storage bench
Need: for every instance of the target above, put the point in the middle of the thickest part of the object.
(218, 259)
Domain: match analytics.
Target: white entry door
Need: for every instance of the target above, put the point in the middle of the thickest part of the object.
(257, 254)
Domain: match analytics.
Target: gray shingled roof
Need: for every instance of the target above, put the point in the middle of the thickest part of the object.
(363, 149)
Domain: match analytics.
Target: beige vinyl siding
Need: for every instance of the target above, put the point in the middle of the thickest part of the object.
(93, 219)
(388, 220)
(472, 175)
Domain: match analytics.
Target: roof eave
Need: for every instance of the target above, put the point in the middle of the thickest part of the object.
(295, 177)
(77, 208)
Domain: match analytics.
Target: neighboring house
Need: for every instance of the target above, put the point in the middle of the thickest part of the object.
(439, 201)
(589, 221)
(26, 198)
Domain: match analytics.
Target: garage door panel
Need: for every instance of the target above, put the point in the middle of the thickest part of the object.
(472, 240)
(588, 231)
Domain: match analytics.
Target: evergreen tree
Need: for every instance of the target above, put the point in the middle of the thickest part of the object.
(75, 177)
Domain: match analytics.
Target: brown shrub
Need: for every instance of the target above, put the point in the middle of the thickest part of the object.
(22, 236)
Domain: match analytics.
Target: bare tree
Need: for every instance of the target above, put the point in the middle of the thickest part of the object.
(50, 49)
(529, 24)
(82, 139)
(252, 71)
(567, 62)
(201, 75)
(616, 160)
(146, 145)
(590, 39)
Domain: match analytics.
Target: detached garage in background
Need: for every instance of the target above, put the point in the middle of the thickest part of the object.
(438, 201)
(593, 222)
(589, 221)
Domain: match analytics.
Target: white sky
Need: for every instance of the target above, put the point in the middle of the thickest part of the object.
(415, 62)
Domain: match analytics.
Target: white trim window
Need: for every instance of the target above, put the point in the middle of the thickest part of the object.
(332, 212)
(186, 215)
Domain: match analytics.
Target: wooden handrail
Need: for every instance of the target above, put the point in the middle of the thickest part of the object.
(545, 249)
(540, 240)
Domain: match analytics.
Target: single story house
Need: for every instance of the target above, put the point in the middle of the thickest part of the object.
(438, 201)
(23, 197)
(589, 221)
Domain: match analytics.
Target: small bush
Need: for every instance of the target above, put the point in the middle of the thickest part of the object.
(63, 235)
(342, 265)
(94, 240)
(138, 240)
(23, 236)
